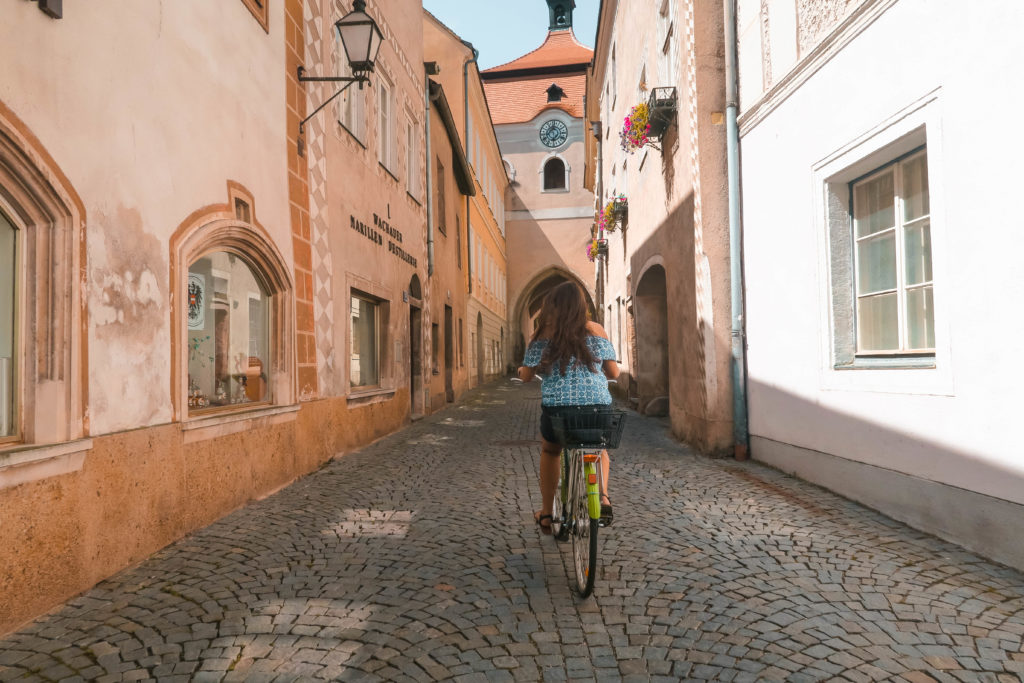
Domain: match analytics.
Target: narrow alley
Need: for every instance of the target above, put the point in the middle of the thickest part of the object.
(415, 558)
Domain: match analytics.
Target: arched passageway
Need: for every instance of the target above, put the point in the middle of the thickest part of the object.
(529, 304)
(651, 311)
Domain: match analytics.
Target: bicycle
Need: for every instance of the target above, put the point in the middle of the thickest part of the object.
(584, 434)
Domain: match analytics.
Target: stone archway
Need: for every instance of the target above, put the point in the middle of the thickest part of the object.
(530, 302)
(652, 352)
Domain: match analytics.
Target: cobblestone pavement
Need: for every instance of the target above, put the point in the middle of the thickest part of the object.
(416, 559)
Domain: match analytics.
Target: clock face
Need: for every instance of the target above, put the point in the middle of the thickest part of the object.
(553, 133)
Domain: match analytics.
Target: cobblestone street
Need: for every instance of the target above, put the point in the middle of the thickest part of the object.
(417, 559)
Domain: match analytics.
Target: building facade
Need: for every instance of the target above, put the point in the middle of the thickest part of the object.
(536, 102)
(198, 302)
(479, 227)
(664, 282)
(874, 365)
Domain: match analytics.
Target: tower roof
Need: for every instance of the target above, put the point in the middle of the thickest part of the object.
(559, 49)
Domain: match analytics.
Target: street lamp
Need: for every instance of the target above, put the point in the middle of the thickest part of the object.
(361, 38)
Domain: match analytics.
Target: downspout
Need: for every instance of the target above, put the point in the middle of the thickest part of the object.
(595, 129)
(430, 178)
(741, 436)
(465, 132)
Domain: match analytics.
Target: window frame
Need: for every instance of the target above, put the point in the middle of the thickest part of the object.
(17, 325)
(898, 230)
(441, 198)
(378, 315)
(412, 185)
(386, 127)
(351, 109)
(544, 174)
(265, 283)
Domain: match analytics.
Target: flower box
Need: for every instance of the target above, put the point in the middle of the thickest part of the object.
(661, 112)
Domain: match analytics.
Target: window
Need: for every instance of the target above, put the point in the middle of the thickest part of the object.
(385, 124)
(228, 333)
(8, 289)
(462, 355)
(555, 94)
(412, 155)
(440, 202)
(458, 243)
(352, 102)
(364, 370)
(554, 174)
(892, 259)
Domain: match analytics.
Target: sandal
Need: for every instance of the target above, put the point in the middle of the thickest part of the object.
(544, 528)
(606, 512)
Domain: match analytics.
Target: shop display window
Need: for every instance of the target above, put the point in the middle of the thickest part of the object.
(228, 333)
(365, 334)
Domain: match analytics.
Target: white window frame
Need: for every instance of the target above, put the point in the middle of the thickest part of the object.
(543, 165)
(378, 341)
(898, 231)
(10, 396)
(386, 123)
(351, 113)
(412, 151)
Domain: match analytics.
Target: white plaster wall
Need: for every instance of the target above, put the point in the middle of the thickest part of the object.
(954, 424)
(148, 108)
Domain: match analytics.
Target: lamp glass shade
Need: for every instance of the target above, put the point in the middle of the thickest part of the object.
(361, 38)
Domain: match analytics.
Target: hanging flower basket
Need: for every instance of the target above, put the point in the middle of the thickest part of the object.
(612, 215)
(661, 112)
(635, 129)
(597, 247)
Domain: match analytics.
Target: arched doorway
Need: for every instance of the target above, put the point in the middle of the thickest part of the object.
(530, 302)
(415, 347)
(651, 311)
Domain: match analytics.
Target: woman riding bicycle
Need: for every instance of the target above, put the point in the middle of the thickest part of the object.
(577, 360)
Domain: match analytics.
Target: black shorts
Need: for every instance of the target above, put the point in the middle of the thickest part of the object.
(547, 431)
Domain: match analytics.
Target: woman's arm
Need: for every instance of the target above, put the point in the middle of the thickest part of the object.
(526, 373)
(609, 367)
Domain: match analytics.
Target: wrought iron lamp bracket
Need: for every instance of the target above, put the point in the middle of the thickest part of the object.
(347, 80)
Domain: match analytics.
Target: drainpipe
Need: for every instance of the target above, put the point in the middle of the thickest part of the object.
(738, 361)
(595, 129)
(430, 177)
(465, 132)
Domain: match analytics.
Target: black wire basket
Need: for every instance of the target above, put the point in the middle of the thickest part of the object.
(588, 427)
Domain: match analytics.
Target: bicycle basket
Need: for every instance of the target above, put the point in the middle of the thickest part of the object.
(588, 427)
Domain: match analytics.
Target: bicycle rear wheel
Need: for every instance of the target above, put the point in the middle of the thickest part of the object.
(560, 520)
(583, 530)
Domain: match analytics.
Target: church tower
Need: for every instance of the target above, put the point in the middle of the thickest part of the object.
(536, 104)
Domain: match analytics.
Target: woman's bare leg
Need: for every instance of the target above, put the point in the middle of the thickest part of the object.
(549, 462)
(605, 469)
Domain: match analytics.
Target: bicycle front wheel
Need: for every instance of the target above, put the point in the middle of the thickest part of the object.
(584, 529)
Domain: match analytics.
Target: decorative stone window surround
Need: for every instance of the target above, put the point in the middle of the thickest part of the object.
(916, 125)
(219, 228)
(259, 10)
(360, 286)
(540, 173)
(52, 381)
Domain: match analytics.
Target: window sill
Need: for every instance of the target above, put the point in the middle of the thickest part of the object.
(889, 363)
(367, 396)
(351, 134)
(23, 463)
(221, 424)
(387, 170)
(556, 190)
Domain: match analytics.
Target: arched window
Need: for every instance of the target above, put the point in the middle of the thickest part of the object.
(233, 349)
(554, 174)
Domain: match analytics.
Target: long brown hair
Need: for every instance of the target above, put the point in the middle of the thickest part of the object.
(563, 322)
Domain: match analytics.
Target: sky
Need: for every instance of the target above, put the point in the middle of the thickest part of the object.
(502, 31)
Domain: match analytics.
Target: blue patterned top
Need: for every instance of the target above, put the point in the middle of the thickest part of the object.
(579, 386)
